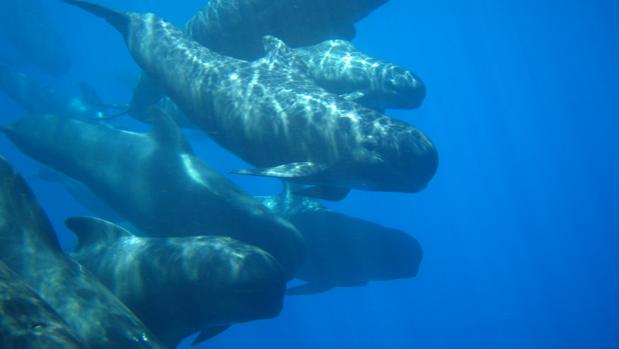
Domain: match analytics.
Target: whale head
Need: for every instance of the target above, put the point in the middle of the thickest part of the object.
(401, 89)
(404, 160)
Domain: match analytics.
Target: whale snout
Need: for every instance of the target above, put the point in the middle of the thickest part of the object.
(405, 89)
(421, 163)
(406, 254)
(411, 164)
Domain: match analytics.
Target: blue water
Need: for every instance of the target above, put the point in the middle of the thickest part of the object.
(520, 225)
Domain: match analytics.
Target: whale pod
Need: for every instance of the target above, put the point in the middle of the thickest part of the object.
(155, 182)
(276, 118)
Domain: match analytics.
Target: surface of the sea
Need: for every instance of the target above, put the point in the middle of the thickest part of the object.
(520, 225)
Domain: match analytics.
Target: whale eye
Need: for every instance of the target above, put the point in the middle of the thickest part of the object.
(37, 328)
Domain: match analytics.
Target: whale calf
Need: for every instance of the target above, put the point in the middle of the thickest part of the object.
(203, 283)
(344, 251)
(26, 321)
(236, 27)
(339, 67)
(154, 181)
(30, 31)
(36, 98)
(30, 248)
(276, 118)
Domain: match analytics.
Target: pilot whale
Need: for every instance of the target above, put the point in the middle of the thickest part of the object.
(30, 248)
(26, 321)
(276, 118)
(236, 27)
(344, 251)
(335, 65)
(36, 98)
(154, 181)
(339, 67)
(202, 283)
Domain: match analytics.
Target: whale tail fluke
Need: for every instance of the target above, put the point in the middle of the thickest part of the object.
(119, 20)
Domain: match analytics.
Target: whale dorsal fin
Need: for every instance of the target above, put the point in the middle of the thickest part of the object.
(23, 223)
(339, 43)
(91, 230)
(279, 54)
(166, 132)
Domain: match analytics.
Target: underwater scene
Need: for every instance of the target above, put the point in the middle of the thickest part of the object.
(309, 174)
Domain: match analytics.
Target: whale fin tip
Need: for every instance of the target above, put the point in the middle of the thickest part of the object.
(286, 171)
(119, 20)
(90, 230)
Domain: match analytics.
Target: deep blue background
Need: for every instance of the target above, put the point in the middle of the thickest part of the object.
(519, 226)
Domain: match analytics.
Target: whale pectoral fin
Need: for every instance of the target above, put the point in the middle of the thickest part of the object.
(287, 171)
(209, 333)
(373, 102)
(325, 193)
(353, 96)
(307, 288)
(365, 100)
